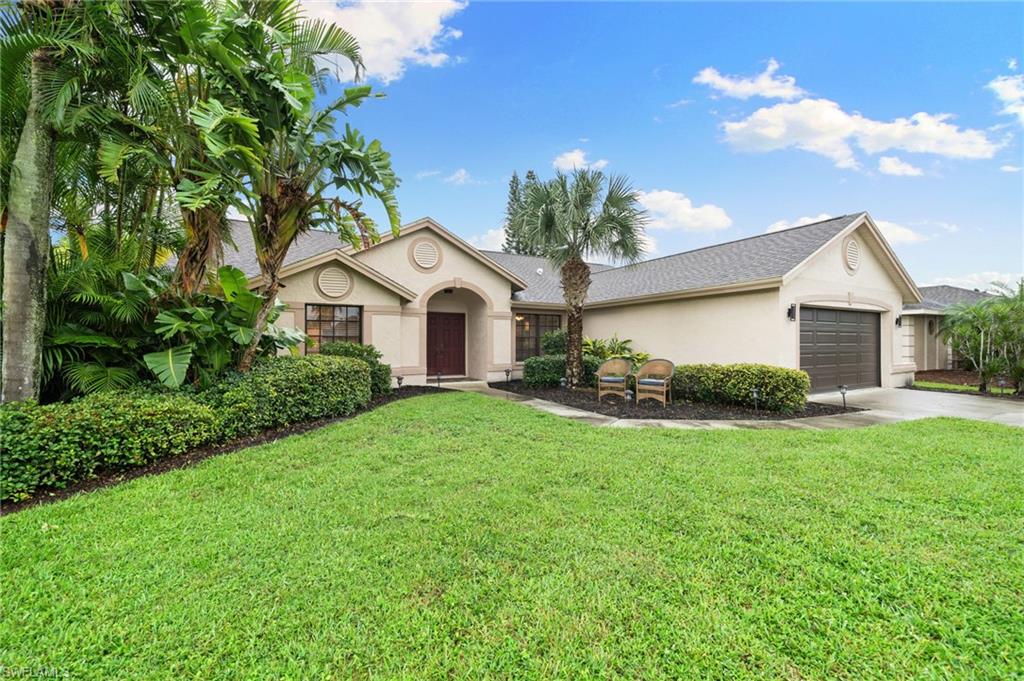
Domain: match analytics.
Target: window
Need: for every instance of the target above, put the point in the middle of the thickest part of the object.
(327, 323)
(529, 330)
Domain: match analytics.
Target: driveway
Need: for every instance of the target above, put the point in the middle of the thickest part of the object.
(901, 404)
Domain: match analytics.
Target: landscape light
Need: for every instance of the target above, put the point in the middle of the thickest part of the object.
(399, 379)
(842, 391)
(562, 382)
(508, 375)
(756, 394)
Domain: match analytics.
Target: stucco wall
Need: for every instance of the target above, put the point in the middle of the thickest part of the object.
(825, 281)
(740, 327)
(929, 350)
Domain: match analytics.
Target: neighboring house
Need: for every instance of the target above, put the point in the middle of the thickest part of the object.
(823, 297)
(925, 318)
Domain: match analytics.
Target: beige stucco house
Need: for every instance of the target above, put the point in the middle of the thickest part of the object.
(923, 321)
(826, 297)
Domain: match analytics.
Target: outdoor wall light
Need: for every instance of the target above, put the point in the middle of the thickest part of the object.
(399, 379)
(899, 321)
(842, 391)
(791, 312)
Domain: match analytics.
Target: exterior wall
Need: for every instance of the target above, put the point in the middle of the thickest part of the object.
(740, 327)
(488, 330)
(381, 307)
(929, 350)
(825, 281)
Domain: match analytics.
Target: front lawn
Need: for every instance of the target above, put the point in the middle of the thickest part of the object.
(960, 388)
(460, 535)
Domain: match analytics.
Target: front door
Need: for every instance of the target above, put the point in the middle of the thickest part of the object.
(446, 343)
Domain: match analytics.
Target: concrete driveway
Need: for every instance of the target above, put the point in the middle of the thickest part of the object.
(901, 404)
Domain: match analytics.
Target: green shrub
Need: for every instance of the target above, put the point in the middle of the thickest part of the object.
(286, 390)
(781, 389)
(380, 373)
(553, 342)
(56, 444)
(547, 371)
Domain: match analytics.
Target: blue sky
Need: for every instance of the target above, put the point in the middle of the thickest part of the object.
(731, 118)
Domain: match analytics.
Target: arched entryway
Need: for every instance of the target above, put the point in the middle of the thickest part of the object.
(457, 342)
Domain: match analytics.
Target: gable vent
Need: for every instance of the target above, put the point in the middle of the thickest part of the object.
(334, 282)
(852, 255)
(425, 254)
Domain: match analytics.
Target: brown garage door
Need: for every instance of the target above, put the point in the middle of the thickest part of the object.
(839, 347)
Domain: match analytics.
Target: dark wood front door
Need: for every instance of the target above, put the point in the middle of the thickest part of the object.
(446, 343)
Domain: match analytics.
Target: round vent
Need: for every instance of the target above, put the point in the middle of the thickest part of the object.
(425, 254)
(334, 282)
(852, 255)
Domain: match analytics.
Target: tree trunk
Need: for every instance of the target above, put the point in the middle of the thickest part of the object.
(27, 248)
(575, 283)
(261, 323)
(202, 247)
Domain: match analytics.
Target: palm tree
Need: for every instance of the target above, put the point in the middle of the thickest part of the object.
(572, 218)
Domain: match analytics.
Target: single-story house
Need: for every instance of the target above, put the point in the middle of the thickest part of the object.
(825, 297)
(925, 318)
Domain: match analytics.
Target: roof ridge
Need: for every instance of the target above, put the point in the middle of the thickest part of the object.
(726, 243)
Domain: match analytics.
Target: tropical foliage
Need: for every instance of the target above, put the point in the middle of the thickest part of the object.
(614, 348)
(129, 129)
(989, 335)
(570, 219)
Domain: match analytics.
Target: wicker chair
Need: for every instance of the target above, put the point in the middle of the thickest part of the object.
(612, 376)
(654, 381)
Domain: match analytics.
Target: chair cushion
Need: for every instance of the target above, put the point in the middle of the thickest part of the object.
(613, 379)
(653, 381)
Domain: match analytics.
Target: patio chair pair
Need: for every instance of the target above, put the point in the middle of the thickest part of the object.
(653, 379)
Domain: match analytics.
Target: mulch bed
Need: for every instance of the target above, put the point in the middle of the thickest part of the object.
(586, 399)
(954, 376)
(107, 478)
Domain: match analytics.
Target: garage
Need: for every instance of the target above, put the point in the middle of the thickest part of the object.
(839, 347)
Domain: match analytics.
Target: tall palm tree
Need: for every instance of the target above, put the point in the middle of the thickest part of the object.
(572, 218)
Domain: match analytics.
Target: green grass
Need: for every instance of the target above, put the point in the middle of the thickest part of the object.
(458, 535)
(956, 387)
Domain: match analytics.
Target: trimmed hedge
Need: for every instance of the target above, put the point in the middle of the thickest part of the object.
(781, 389)
(547, 371)
(56, 444)
(553, 342)
(287, 390)
(380, 373)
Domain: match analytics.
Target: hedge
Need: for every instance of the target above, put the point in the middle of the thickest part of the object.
(380, 373)
(56, 444)
(547, 371)
(287, 390)
(553, 342)
(781, 389)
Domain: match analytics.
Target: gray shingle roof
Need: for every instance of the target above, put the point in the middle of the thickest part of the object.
(940, 297)
(764, 256)
(305, 246)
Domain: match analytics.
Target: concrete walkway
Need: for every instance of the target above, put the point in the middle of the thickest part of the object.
(883, 405)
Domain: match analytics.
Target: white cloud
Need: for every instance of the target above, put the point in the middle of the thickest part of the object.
(896, 233)
(1010, 92)
(679, 103)
(649, 245)
(491, 240)
(1010, 169)
(806, 220)
(893, 165)
(765, 84)
(577, 158)
(393, 34)
(672, 210)
(427, 173)
(822, 127)
(461, 177)
(1011, 63)
(979, 280)
(893, 232)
